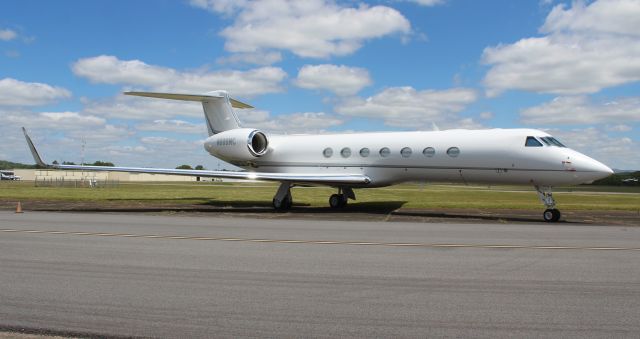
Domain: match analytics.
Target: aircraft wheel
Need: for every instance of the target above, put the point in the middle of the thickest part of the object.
(335, 201)
(283, 205)
(551, 215)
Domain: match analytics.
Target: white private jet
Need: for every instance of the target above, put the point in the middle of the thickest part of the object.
(362, 160)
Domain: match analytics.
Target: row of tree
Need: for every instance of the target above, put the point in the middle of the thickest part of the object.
(14, 165)
(97, 163)
(198, 167)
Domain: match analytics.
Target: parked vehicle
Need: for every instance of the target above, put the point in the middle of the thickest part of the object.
(8, 175)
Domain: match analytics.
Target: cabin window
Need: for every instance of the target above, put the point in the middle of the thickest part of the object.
(406, 152)
(453, 152)
(328, 152)
(384, 152)
(532, 142)
(346, 152)
(429, 152)
(364, 152)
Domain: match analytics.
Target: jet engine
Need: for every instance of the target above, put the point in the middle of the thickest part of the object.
(238, 145)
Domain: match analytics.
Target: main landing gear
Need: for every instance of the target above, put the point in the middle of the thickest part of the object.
(340, 200)
(282, 201)
(551, 214)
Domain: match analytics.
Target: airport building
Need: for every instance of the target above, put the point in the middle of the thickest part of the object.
(61, 175)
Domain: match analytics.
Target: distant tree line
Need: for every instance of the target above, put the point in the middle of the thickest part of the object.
(188, 167)
(619, 179)
(97, 163)
(6, 165)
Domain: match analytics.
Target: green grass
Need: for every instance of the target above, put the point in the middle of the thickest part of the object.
(252, 194)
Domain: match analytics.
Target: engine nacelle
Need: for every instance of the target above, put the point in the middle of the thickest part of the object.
(238, 145)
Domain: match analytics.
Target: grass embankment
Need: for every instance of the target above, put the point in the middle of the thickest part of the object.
(260, 194)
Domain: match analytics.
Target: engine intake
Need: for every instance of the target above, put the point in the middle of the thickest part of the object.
(257, 143)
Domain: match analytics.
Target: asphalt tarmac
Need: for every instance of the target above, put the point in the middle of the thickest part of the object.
(99, 274)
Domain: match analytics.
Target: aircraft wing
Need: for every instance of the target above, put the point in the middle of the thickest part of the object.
(303, 178)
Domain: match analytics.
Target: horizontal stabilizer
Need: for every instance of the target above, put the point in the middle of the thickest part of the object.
(189, 97)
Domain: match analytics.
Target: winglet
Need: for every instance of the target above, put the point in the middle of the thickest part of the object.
(34, 151)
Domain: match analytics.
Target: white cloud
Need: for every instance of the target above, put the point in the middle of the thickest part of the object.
(312, 28)
(54, 120)
(249, 116)
(257, 58)
(167, 152)
(107, 69)
(586, 48)
(7, 34)
(581, 110)
(111, 70)
(18, 93)
(306, 122)
(407, 107)
(248, 83)
(616, 152)
(342, 80)
(128, 107)
(106, 134)
(486, 115)
(618, 128)
(58, 135)
(604, 16)
(175, 126)
(220, 6)
(428, 3)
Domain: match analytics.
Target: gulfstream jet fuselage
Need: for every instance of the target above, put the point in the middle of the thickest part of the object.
(360, 160)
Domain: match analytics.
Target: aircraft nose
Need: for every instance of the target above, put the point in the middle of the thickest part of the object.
(598, 167)
(592, 169)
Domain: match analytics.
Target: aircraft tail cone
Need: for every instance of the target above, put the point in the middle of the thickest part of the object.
(19, 208)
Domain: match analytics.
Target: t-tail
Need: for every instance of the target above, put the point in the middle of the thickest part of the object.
(217, 105)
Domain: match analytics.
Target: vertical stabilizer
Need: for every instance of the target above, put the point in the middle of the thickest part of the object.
(219, 113)
(218, 107)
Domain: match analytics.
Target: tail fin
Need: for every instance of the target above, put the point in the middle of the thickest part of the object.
(217, 107)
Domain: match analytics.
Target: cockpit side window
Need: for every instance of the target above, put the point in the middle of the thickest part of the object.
(532, 142)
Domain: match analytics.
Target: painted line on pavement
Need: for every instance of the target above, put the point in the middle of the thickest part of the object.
(326, 242)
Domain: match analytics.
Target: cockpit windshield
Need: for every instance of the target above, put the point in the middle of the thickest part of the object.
(532, 141)
(551, 141)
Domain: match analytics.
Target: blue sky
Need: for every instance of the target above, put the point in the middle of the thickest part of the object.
(571, 68)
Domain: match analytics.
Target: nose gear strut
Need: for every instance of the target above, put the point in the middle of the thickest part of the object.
(551, 214)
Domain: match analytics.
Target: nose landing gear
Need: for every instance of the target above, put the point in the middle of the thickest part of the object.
(551, 214)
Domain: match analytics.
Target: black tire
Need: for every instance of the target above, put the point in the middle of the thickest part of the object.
(335, 201)
(548, 215)
(343, 201)
(284, 205)
(556, 214)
